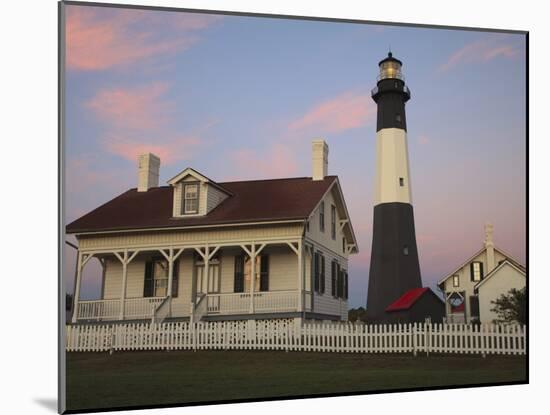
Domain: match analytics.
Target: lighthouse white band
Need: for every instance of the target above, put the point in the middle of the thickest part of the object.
(392, 167)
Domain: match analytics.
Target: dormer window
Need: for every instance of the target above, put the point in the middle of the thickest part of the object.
(190, 199)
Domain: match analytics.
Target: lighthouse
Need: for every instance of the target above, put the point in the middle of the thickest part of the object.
(394, 267)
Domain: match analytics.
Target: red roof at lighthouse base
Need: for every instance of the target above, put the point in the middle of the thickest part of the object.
(407, 300)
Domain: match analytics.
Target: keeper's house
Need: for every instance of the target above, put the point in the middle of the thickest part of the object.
(470, 289)
(201, 250)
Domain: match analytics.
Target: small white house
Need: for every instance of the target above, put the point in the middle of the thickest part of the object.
(470, 288)
(202, 250)
(499, 281)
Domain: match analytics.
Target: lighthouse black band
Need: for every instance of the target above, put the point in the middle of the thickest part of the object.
(391, 95)
(394, 267)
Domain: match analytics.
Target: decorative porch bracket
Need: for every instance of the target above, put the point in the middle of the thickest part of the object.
(171, 256)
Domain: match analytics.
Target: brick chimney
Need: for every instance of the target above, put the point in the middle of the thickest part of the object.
(148, 171)
(490, 247)
(319, 159)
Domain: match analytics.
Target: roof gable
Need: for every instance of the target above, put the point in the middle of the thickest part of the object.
(508, 258)
(495, 271)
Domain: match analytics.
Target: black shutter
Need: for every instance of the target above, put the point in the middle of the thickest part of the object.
(148, 279)
(339, 283)
(264, 273)
(333, 278)
(316, 271)
(474, 306)
(322, 257)
(480, 272)
(175, 278)
(239, 274)
(471, 271)
(346, 285)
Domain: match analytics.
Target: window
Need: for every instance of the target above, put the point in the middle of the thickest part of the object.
(333, 221)
(155, 282)
(401, 182)
(406, 250)
(191, 198)
(160, 277)
(476, 271)
(456, 280)
(319, 272)
(307, 226)
(344, 245)
(243, 273)
(322, 217)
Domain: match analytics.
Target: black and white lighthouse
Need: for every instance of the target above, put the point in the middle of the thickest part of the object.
(394, 267)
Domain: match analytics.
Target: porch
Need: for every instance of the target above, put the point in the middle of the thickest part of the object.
(192, 282)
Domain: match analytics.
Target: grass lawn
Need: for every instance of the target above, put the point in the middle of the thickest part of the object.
(100, 380)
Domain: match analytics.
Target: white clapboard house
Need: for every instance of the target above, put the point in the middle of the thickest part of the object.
(201, 250)
(485, 276)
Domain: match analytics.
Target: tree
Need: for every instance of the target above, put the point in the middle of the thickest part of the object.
(511, 307)
(357, 314)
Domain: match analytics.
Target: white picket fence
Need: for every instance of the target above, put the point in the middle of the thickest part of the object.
(288, 335)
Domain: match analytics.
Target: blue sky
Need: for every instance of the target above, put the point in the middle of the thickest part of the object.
(242, 98)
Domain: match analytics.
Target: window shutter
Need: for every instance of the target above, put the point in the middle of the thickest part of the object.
(480, 272)
(148, 279)
(239, 274)
(471, 271)
(338, 281)
(264, 273)
(175, 278)
(346, 285)
(322, 258)
(316, 271)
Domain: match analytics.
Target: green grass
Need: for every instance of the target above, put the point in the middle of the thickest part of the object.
(100, 380)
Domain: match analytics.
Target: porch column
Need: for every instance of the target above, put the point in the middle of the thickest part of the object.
(124, 277)
(77, 287)
(206, 269)
(299, 288)
(300, 278)
(171, 257)
(252, 276)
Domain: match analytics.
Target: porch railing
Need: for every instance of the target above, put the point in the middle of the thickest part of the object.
(265, 301)
(134, 308)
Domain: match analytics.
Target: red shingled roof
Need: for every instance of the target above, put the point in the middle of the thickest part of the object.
(407, 300)
(250, 201)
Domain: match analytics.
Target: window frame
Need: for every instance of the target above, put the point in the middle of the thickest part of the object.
(473, 271)
(184, 198)
(456, 280)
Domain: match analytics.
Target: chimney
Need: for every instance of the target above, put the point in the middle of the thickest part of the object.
(148, 171)
(489, 247)
(319, 154)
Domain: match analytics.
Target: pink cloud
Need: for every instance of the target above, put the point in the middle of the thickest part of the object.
(141, 119)
(277, 161)
(423, 140)
(170, 149)
(483, 50)
(99, 39)
(346, 111)
(137, 108)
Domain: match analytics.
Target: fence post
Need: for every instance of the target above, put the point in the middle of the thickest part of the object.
(427, 333)
(413, 331)
(194, 331)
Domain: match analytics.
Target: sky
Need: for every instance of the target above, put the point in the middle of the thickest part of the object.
(241, 98)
